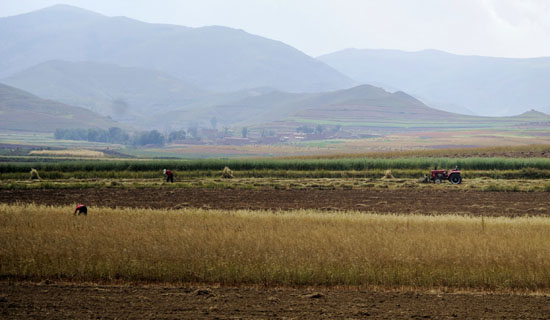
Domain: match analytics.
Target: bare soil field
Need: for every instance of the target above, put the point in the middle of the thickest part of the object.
(20, 300)
(402, 201)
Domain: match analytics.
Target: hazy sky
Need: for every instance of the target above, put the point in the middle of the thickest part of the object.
(507, 28)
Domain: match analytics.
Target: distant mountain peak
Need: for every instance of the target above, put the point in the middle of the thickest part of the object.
(533, 113)
(56, 13)
(365, 88)
(367, 94)
(65, 8)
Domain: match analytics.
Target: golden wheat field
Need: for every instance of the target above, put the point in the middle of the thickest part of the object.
(274, 248)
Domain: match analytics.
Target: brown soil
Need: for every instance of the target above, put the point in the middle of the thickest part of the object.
(418, 201)
(23, 300)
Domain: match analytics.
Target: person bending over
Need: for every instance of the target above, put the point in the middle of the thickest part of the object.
(81, 209)
(169, 175)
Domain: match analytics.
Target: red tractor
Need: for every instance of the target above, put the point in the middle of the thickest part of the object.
(438, 176)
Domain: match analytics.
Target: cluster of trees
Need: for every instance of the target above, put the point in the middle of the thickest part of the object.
(112, 135)
(153, 137)
(317, 129)
(148, 137)
(307, 129)
(177, 135)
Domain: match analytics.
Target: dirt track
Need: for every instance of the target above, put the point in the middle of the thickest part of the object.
(74, 301)
(421, 201)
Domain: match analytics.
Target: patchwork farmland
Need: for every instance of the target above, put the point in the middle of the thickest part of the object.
(327, 236)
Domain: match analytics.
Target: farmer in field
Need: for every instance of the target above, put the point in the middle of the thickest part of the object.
(81, 209)
(169, 175)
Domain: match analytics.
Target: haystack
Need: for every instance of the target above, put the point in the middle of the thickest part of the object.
(388, 175)
(34, 174)
(227, 173)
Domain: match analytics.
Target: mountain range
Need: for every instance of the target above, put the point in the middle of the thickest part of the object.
(166, 77)
(215, 58)
(362, 109)
(465, 84)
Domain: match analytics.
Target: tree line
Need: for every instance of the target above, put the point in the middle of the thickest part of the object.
(117, 135)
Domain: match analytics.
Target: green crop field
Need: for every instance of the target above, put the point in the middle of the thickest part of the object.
(283, 164)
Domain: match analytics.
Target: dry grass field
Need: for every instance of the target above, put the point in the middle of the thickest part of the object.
(269, 183)
(300, 247)
(80, 153)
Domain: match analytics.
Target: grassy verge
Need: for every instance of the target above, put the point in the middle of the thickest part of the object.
(272, 248)
(527, 173)
(267, 183)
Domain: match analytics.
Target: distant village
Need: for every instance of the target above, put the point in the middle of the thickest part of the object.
(304, 133)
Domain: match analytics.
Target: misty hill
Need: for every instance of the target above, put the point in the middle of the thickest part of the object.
(22, 111)
(369, 103)
(485, 85)
(246, 107)
(120, 92)
(362, 109)
(217, 58)
(364, 103)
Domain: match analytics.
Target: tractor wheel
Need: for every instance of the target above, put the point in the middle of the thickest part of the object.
(455, 179)
(437, 181)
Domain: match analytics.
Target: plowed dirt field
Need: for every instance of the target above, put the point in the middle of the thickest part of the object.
(22, 300)
(418, 201)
